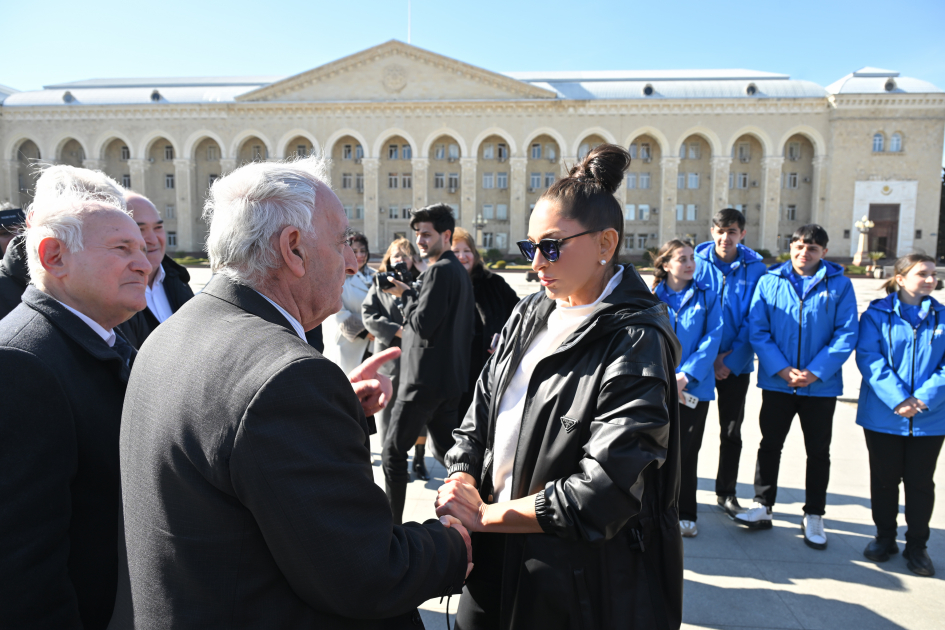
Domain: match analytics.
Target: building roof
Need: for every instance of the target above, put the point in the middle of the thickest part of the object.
(878, 81)
(165, 82)
(6, 91)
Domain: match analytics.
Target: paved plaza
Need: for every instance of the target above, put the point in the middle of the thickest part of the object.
(743, 579)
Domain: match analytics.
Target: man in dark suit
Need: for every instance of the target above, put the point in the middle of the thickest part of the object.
(434, 368)
(64, 371)
(246, 476)
(167, 285)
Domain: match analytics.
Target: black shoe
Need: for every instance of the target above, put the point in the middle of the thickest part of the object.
(730, 506)
(420, 466)
(880, 549)
(919, 562)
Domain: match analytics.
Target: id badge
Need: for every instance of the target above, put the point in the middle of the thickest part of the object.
(689, 400)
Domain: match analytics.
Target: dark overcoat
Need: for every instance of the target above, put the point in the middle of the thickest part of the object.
(14, 275)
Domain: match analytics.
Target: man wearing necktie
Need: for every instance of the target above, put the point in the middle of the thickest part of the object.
(65, 367)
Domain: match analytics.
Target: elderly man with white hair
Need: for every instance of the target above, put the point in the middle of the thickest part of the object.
(247, 481)
(64, 371)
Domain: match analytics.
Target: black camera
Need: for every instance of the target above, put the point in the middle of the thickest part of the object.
(397, 272)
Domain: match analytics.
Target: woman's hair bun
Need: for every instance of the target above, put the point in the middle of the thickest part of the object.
(605, 165)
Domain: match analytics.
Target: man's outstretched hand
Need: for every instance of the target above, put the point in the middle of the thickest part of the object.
(452, 521)
(373, 390)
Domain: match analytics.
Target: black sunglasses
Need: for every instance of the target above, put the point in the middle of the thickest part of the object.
(550, 247)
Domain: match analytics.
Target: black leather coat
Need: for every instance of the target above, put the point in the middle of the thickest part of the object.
(599, 444)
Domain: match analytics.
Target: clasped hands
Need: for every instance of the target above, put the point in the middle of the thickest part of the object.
(797, 378)
(909, 407)
(459, 505)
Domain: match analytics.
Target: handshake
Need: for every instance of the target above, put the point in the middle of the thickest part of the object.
(459, 506)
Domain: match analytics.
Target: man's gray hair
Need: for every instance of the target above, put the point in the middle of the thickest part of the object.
(62, 179)
(256, 201)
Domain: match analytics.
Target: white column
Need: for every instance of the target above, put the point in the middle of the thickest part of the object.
(518, 215)
(669, 169)
(721, 165)
(184, 176)
(227, 165)
(138, 169)
(470, 184)
(420, 168)
(372, 216)
(770, 201)
(11, 183)
(817, 183)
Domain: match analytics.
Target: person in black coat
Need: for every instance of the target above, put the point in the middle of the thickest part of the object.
(64, 370)
(168, 287)
(14, 275)
(249, 499)
(434, 367)
(495, 301)
(566, 467)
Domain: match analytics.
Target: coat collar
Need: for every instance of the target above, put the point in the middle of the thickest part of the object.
(247, 299)
(888, 304)
(172, 269)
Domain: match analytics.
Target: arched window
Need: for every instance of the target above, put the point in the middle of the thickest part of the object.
(583, 150)
(895, 143)
(878, 143)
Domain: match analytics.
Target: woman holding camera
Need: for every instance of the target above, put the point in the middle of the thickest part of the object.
(565, 466)
(901, 355)
(345, 337)
(696, 314)
(495, 300)
(385, 322)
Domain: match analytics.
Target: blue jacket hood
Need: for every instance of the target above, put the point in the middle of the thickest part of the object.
(887, 304)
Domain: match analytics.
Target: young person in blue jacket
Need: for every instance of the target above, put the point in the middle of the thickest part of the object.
(901, 354)
(732, 270)
(803, 327)
(695, 312)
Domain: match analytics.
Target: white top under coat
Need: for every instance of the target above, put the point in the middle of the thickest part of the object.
(108, 336)
(156, 297)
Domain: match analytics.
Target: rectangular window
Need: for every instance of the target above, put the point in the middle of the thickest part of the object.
(691, 211)
(502, 180)
(633, 151)
(439, 152)
(346, 152)
(551, 152)
(693, 180)
(359, 212)
(172, 239)
(743, 180)
(794, 151)
(392, 179)
(168, 153)
(681, 181)
(359, 182)
(126, 180)
(630, 212)
(393, 212)
(682, 152)
(168, 181)
(406, 180)
(501, 240)
(744, 152)
(645, 151)
(641, 241)
(549, 180)
(503, 151)
(631, 181)
(454, 182)
(358, 152)
(628, 241)
(488, 180)
(212, 178)
(169, 211)
(346, 180)
(534, 181)
(502, 211)
(454, 152)
(918, 234)
(392, 152)
(644, 211)
(743, 208)
(680, 211)
(792, 213)
(347, 210)
(536, 151)
(125, 154)
(406, 152)
(439, 180)
(301, 150)
(487, 212)
(695, 150)
(487, 240)
(488, 151)
(792, 180)
(211, 153)
(644, 181)
(731, 180)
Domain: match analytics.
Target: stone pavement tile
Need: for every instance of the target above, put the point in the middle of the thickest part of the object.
(715, 540)
(731, 593)
(785, 543)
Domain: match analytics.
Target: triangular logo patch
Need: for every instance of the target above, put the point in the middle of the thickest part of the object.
(569, 423)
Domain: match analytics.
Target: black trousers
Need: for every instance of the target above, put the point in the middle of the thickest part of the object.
(692, 428)
(480, 604)
(409, 417)
(732, 392)
(910, 460)
(777, 413)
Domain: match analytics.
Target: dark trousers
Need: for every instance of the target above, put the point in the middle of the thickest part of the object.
(777, 413)
(482, 593)
(409, 417)
(732, 392)
(692, 428)
(911, 460)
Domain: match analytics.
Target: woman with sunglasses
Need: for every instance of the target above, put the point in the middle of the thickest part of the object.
(566, 464)
(696, 314)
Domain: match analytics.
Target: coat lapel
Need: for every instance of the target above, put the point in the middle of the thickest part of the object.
(247, 299)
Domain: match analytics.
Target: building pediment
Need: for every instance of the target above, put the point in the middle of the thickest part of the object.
(395, 71)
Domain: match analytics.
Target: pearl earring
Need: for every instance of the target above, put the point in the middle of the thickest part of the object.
(603, 262)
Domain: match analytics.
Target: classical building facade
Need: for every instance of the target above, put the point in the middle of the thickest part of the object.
(406, 127)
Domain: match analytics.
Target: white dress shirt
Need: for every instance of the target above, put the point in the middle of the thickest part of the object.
(108, 336)
(157, 297)
(295, 323)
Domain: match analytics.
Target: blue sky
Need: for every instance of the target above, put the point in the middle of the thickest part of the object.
(56, 41)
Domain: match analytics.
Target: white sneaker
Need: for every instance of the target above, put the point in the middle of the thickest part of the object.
(814, 534)
(688, 529)
(758, 516)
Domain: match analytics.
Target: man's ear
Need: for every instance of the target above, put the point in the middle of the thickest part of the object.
(292, 250)
(50, 257)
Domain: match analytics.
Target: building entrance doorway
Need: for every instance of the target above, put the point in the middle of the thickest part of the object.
(884, 235)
